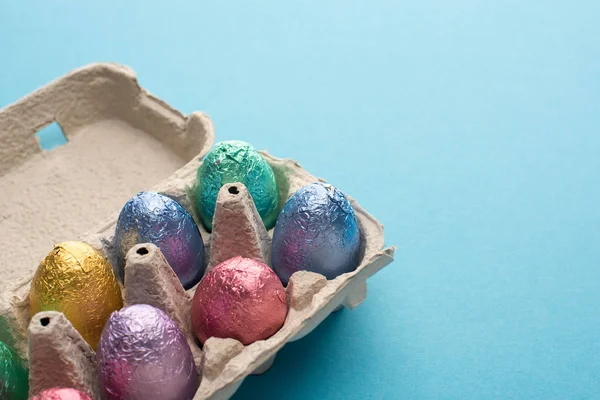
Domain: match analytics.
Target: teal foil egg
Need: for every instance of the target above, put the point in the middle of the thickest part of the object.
(14, 376)
(236, 161)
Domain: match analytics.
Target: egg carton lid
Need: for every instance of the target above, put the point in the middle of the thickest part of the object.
(120, 139)
(101, 98)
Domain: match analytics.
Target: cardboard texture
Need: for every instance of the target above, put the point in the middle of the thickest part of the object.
(102, 102)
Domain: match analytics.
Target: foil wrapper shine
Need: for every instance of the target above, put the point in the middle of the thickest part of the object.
(236, 161)
(14, 376)
(151, 217)
(61, 394)
(240, 298)
(143, 355)
(316, 231)
(79, 282)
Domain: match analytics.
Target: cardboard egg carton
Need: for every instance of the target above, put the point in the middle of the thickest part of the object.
(109, 95)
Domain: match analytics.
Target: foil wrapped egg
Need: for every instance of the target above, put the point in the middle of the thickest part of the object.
(151, 217)
(61, 394)
(236, 161)
(240, 298)
(143, 355)
(14, 376)
(79, 282)
(316, 231)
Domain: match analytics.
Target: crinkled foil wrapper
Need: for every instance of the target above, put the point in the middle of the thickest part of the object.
(143, 355)
(151, 217)
(236, 161)
(14, 376)
(316, 231)
(79, 282)
(61, 394)
(241, 299)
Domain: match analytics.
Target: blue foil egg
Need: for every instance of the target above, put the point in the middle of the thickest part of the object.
(150, 217)
(316, 231)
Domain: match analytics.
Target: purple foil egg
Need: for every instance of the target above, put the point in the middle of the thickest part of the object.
(151, 217)
(143, 355)
(316, 231)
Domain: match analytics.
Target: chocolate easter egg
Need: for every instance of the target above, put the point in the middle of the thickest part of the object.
(316, 231)
(240, 298)
(79, 282)
(143, 355)
(151, 217)
(236, 161)
(14, 376)
(61, 394)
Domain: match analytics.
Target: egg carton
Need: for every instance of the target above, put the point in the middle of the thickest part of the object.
(56, 353)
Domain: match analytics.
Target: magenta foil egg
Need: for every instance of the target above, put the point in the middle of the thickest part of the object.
(61, 394)
(240, 298)
(143, 355)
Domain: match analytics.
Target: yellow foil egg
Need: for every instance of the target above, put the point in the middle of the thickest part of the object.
(79, 282)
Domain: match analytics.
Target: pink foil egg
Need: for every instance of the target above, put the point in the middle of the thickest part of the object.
(61, 394)
(240, 298)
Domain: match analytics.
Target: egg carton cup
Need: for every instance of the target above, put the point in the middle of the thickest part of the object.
(57, 354)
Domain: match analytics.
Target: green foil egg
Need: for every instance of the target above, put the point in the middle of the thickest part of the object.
(14, 376)
(236, 161)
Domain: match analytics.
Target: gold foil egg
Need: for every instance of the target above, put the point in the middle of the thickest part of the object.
(79, 282)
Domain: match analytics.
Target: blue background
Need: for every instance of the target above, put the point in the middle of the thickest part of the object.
(469, 128)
